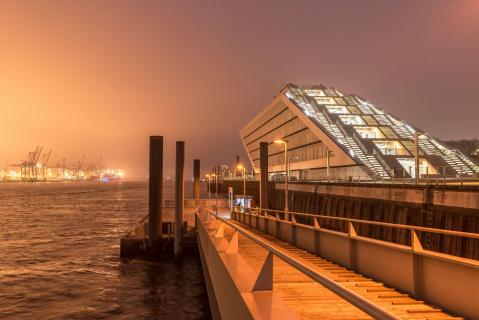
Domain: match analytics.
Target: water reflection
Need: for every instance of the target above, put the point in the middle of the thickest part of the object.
(59, 257)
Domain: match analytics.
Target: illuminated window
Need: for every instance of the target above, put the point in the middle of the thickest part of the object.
(409, 165)
(354, 110)
(369, 132)
(383, 120)
(389, 133)
(324, 100)
(338, 109)
(370, 120)
(391, 148)
(314, 92)
(410, 146)
(354, 120)
(330, 92)
(351, 100)
(366, 109)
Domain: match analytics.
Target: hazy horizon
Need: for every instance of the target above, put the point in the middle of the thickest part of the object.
(96, 79)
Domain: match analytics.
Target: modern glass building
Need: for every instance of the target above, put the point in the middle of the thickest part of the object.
(337, 136)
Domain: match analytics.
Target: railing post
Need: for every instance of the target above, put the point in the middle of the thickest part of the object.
(352, 234)
(264, 282)
(233, 245)
(416, 248)
(278, 226)
(293, 230)
(317, 247)
(266, 222)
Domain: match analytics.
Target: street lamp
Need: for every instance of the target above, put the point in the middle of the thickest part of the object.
(241, 167)
(209, 188)
(285, 142)
(216, 175)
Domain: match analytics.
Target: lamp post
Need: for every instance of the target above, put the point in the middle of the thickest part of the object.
(241, 167)
(215, 175)
(209, 188)
(285, 142)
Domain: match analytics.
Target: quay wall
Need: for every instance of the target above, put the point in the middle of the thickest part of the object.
(445, 207)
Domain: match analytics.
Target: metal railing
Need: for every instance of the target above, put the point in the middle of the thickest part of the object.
(281, 215)
(363, 304)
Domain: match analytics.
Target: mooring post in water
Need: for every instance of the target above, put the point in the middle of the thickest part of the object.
(155, 193)
(196, 176)
(179, 195)
(263, 185)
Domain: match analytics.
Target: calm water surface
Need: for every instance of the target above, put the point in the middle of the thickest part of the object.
(59, 257)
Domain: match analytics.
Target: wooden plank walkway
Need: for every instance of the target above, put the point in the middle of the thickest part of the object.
(311, 300)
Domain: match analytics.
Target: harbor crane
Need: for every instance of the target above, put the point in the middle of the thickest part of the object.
(29, 168)
(44, 163)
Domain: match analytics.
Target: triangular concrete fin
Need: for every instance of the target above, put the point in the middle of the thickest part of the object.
(220, 231)
(415, 242)
(233, 246)
(316, 224)
(351, 230)
(264, 282)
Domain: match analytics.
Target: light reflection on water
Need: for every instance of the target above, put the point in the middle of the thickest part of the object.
(59, 257)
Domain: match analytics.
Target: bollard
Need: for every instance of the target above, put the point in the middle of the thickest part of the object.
(196, 181)
(179, 196)
(155, 192)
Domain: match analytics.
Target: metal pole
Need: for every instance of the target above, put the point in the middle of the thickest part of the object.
(155, 192)
(244, 188)
(416, 155)
(263, 194)
(217, 168)
(327, 163)
(286, 176)
(179, 196)
(209, 188)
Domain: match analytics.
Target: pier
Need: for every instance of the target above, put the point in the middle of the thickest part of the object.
(338, 250)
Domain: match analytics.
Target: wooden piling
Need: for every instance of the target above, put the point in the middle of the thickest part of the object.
(196, 177)
(155, 193)
(179, 196)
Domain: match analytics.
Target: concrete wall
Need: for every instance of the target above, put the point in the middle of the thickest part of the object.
(436, 207)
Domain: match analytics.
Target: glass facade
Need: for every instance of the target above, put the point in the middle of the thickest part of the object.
(379, 142)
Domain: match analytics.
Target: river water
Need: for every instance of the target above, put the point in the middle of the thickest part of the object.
(59, 257)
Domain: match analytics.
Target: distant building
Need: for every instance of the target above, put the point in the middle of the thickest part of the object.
(330, 134)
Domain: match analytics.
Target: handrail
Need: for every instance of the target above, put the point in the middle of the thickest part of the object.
(137, 226)
(363, 304)
(378, 223)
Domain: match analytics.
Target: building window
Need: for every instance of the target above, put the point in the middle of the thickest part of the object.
(352, 120)
(409, 165)
(337, 109)
(369, 132)
(391, 148)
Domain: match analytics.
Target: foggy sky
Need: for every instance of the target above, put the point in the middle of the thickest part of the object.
(99, 77)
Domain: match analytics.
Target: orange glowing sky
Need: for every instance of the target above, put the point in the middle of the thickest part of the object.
(98, 77)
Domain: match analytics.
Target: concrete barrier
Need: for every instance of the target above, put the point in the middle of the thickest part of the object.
(447, 281)
(231, 282)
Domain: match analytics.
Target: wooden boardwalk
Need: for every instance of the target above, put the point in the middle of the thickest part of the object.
(311, 300)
